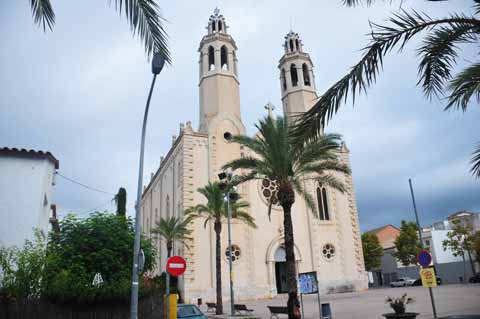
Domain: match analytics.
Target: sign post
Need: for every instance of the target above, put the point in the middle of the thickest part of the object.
(176, 266)
(422, 252)
(309, 285)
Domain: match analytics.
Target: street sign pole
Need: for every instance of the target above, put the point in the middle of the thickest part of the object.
(421, 244)
(167, 292)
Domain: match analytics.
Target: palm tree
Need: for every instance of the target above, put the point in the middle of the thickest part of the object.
(143, 16)
(278, 156)
(172, 229)
(215, 210)
(439, 54)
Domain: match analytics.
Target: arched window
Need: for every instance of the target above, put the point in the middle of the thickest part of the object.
(284, 80)
(219, 26)
(291, 45)
(296, 44)
(224, 58)
(293, 74)
(306, 76)
(213, 26)
(322, 202)
(211, 58)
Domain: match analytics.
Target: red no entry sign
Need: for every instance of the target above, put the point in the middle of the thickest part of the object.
(176, 265)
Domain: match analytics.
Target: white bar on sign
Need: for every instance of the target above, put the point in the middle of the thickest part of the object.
(177, 266)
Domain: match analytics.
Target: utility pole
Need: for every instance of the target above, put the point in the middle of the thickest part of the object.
(421, 244)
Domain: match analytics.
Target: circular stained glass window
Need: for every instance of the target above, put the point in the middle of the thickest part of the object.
(237, 253)
(269, 190)
(328, 251)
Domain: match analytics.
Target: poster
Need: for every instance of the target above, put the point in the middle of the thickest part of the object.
(308, 282)
(429, 280)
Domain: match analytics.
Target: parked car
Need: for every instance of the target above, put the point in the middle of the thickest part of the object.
(418, 282)
(189, 311)
(402, 282)
(474, 279)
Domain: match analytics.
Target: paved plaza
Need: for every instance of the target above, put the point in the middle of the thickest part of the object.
(450, 300)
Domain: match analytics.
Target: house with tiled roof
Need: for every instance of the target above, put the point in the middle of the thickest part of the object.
(27, 179)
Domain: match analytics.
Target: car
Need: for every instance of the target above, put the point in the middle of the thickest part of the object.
(190, 312)
(418, 282)
(402, 282)
(474, 279)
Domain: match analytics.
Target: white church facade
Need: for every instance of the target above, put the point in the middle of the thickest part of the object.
(329, 243)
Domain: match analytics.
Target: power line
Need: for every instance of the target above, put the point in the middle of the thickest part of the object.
(83, 185)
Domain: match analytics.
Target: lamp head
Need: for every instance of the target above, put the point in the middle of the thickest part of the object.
(222, 176)
(158, 62)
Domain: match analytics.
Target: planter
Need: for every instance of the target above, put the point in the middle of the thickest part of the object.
(406, 315)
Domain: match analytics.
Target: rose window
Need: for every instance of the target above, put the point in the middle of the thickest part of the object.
(236, 253)
(269, 190)
(328, 251)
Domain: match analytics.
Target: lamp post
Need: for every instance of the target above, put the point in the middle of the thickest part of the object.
(158, 62)
(227, 186)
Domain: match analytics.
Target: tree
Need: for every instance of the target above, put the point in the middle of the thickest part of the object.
(215, 210)
(172, 229)
(278, 156)
(407, 244)
(372, 251)
(460, 240)
(439, 54)
(143, 16)
(21, 269)
(101, 243)
(121, 201)
(476, 245)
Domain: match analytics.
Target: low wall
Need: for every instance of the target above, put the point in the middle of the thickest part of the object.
(148, 308)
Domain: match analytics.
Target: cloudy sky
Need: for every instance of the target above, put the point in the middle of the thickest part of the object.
(80, 91)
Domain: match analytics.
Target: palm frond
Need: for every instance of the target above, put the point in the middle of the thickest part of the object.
(439, 55)
(464, 86)
(146, 21)
(297, 185)
(244, 217)
(331, 181)
(42, 12)
(475, 161)
(404, 26)
(353, 3)
(322, 167)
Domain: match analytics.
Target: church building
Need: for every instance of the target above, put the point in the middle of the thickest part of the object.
(328, 243)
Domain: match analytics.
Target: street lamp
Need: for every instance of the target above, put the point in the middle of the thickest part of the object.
(226, 186)
(158, 62)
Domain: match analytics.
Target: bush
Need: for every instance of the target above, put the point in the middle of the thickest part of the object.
(21, 269)
(101, 243)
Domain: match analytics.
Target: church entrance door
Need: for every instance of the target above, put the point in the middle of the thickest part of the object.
(281, 277)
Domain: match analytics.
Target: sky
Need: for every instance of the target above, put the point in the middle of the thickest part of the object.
(79, 92)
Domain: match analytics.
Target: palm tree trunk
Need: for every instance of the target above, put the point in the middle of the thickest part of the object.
(286, 197)
(218, 266)
(169, 249)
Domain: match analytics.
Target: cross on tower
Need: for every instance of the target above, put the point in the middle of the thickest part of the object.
(216, 11)
(270, 107)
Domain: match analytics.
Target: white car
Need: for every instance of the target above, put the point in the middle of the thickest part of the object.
(402, 282)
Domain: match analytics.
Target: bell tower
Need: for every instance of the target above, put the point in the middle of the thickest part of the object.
(218, 81)
(297, 80)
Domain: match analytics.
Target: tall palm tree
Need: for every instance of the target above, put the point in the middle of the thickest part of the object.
(279, 156)
(143, 16)
(439, 53)
(172, 229)
(215, 210)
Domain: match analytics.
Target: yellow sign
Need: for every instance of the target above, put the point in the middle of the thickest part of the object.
(429, 280)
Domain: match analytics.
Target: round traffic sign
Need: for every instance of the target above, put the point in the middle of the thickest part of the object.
(424, 258)
(176, 265)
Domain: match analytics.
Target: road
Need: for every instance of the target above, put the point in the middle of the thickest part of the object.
(450, 300)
